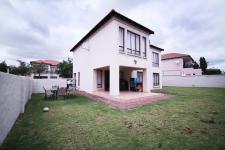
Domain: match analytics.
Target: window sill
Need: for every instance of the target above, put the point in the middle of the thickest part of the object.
(134, 55)
(156, 86)
(144, 57)
(122, 52)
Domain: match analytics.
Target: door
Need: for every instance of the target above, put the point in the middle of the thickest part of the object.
(107, 80)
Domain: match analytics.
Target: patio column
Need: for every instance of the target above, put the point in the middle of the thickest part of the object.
(94, 80)
(114, 80)
(146, 80)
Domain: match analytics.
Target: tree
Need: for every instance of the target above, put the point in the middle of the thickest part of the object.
(3, 66)
(203, 64)
(213, 71)
(66, 68)
(23, 69)
(195, 65)
(38, 68)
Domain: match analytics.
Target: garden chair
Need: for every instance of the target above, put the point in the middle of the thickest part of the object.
(70, 91)
(48, 93)
(62, 92)
(55, 90)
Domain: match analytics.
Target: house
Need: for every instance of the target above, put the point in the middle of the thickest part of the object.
(116, 55)
(178, 64)
(49, 71)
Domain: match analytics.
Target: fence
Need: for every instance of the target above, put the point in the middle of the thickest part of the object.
(195, 81)
(14, 94)
(38, 84)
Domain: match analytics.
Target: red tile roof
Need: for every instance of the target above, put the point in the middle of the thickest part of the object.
(173, 55)
(49, 62)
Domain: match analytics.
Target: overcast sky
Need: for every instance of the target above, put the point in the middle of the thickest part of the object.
(40, 29)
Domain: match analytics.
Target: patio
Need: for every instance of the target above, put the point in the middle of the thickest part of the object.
(126, 99)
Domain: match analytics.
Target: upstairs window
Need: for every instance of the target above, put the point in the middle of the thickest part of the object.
(121, 39)
(155, 59)
(133, 43)
(144, 47)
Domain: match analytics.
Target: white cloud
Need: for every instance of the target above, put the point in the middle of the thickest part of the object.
(48, 29)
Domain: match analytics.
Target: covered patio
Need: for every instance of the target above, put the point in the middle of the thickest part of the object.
(118, 80)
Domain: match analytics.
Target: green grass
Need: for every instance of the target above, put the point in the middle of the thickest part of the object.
(194, 119)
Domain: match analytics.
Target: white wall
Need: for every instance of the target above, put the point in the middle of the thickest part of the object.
(102, 50)
(157, 69)
(195, 81)
(172, 64)
(95, 52)
(14, 94)
(175, 67)
(191, 71)
(38, 84)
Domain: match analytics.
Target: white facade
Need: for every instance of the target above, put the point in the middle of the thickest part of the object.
(175, 67)
(100, 53)
(49, 73)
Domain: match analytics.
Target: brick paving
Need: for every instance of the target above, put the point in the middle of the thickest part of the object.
(132, 103)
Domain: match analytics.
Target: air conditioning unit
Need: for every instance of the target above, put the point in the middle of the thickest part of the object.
(177, 62)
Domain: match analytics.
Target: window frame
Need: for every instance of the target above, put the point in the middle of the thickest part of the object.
(156, 80)
(122, 47)
(140, 76)
(144, 46)
(99, 85)
(137, 38)
(78, 76)
(155, 64)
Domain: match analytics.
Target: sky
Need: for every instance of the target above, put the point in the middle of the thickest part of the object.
(40, 29)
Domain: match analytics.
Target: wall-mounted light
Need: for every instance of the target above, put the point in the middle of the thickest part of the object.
(135, 62)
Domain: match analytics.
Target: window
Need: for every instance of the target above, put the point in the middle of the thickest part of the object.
(75, 79)
(144, 46)
(140, 76)
(53, 77)
(99, 78)
(155, 79)
(155, 59)
(121, 39)
(133, 43)
(78, 84)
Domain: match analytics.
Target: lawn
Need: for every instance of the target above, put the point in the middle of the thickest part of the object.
(194, 119)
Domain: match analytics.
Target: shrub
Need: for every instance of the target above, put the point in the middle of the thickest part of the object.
(213, 71)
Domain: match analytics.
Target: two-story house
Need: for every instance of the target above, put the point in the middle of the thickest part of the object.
(115, 55)
(45, 69)
(178, 64)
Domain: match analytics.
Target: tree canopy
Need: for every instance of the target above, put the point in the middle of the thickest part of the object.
(23, 68)
(203, 64)
(66, 68)
(3, 66)
(38, 68)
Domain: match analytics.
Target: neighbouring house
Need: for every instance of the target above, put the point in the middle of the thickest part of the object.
(49, 71)
(116, 55)
(178, 64)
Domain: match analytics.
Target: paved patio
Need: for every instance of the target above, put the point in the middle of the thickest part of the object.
(126, 100)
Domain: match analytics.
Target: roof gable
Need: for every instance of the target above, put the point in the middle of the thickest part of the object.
(156, 47)
(173, 56)
(49, 62)
(110, 15)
